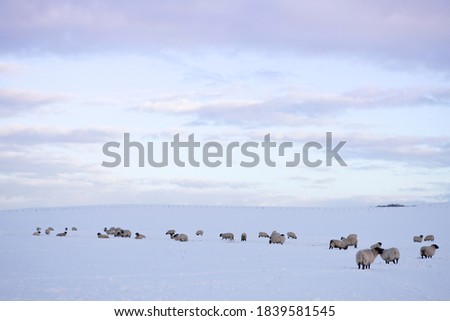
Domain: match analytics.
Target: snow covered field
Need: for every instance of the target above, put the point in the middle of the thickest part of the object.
(83, 267)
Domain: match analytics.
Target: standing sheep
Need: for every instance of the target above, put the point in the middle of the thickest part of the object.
(291, 235)
(227, 236)
(338, 244)
(378, 244)
(390, 255)
(277, 238)
(351, 240)
(428, 251)
(263, 234)
(429, 238)
(49, 230)
(418, 239)
(364, 258)
(244, 237)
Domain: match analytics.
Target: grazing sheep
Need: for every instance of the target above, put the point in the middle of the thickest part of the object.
(364, 258)
(338, 244)
(124, 233)
(351, 239)
(227, 236)
(183, 237)
(428, 251)
(390, 255)
(49, 230)
(418, 239)
(378, 244)
(277, 238)
(263, 234)
(37, 233)
(429, 238)
(111, 231)
(102, 236)
(74, 228)
(244, 237)
(62, 234)
(139, 236)
(291, 235)
(170, 232)
(199, 233)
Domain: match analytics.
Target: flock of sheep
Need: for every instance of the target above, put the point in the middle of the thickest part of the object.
(364, 258)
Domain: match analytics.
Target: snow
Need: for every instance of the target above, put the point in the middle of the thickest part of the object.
(83, 267)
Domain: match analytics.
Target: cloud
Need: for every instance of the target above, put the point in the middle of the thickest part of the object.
(15, 101)
(295, 107)
(26, 136)
(386, 31)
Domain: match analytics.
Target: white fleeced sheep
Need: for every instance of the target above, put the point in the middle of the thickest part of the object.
(110, 231)
(62, 234)
(364, 258)
(199, 233)
(102, 236)
(263, 234)
(351, 240)
(338, 244)
(244, 237)
(291, 235)
(277, 238)
(74, 228)
(227, 236)
(183, 237)
(139, 236)
(37, 233)
(124, 233)
(170, 232)
(428, 251)
(390, 255)
(378, 244)
(418, 239)
(49, 230)
(429, 238)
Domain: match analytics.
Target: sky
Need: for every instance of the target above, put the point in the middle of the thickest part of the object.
(75, 75)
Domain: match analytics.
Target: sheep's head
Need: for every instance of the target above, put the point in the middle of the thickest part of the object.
(435, 246)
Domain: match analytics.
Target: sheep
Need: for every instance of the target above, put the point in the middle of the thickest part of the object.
(124, 233)
(227, 236)
(378, 244)
(364, 258)
(49, 230)
(418, 239)
(263, 234)
(277, 238)
(175, 237)
(199, 233)
(74, 228)
(390, 255)
(244, 237)
(428, 251)
(339, 244)
(291, 235)
(102, 236)
(170, 232)
(62, 234)
(110, 231)
(183, 237)
(38, 228)
(429, 238)
(139, 236)
(37, 233)
(352, 240)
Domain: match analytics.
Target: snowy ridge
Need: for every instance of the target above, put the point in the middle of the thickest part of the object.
(82, 267)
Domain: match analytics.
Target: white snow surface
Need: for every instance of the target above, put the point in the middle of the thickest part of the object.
(82, 267)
